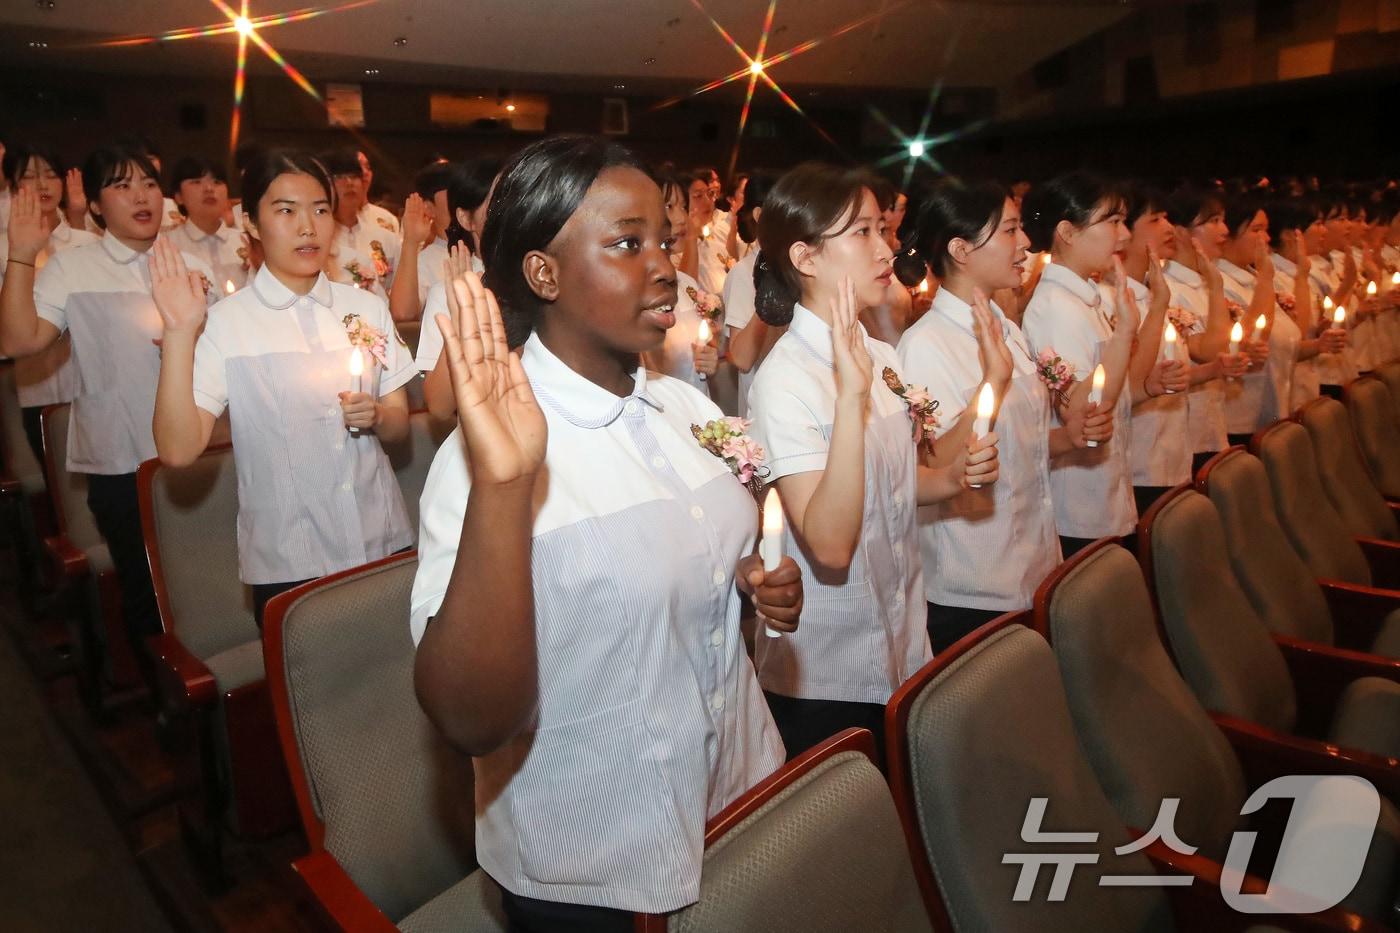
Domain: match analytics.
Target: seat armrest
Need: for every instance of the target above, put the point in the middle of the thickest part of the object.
(1322, 672)
(1358, 611)
(343, 904)
(1200, 905)
(1266, 754)
(184, 678)
(69, 560)
(1384, 558)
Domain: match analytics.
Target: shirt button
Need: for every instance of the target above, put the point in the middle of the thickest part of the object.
(345, 487)
(339, 445)
(717, 701)
(717, 637)
(331, 411)
(718, 577)
(696, 512)
(630, 408)
(658, 461)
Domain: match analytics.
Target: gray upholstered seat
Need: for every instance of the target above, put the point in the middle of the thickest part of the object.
(1390, 375)
(1221, 646)
(1279, 585)
(1143, 731)
(412, 456)
(1308, 517)
(1373, 416)
(986, 735)
(390, 800)
(1345, 477)
(825, 854)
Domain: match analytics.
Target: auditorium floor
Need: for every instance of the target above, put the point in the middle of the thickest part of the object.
(89, 838)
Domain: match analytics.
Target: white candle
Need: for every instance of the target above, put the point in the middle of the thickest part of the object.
(1260, 323)
(770, 546)
(1096, 391)
(1371, 289)
(923, 286)
(986, 404)
(357, 377)
(1236, 335)
(702, 336)
(228, 287)
(1169, 349)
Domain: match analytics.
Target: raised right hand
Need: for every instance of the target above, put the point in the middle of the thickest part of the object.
(28, 233)
(854, 370)
(1209, 271)
(417, 220)
(178, 292)
(992, 351)
(501, 420)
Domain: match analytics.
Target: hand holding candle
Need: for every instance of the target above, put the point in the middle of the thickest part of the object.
(357, 386)
(1261, 323)
(1236, 337)
(770, 546)
(1096, 390)
(986, 405)
(705, 356)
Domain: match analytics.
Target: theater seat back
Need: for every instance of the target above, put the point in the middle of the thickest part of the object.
(1313, 526)
(1373, 410)
(1345, 477)
(1143, 730)
(1278, 583)
(1222, 648)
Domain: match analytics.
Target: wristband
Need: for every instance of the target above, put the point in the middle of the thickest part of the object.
(22, 263)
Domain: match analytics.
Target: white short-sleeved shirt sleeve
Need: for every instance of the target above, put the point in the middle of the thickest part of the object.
(429, 334)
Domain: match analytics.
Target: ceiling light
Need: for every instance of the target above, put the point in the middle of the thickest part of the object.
(755, 67)
(243, 25)
(916, 149)
(401, 41)
(510, 108)
(371, 71)
(649, 61)
(619, 87)
(38, 45)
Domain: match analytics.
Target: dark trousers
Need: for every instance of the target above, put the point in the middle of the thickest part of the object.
(113, 502)
(1199, 460)
(1147, 496)
(530, 915)
(263, 593)
(1072, 546)
(34, 430)
(947, 624)
(1332, 392)
(804, 723)
(1239, 440)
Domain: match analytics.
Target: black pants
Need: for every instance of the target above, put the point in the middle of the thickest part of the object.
(1072, 546)
(34, 430)
(1332, 392)
(1199, 460)
(804, 723)
(530, 915)
(947, 624)
(1147, 496)
(1238, 440)
(263, 593)
(113, 502)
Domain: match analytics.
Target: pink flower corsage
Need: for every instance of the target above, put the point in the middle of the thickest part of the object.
(368, 337)
(1057, 374)
(1182, 319)
(357, 275)
(381, 261)
(728, 439)
(1235, 308)
(1286, 302)
(709, 306)
(923, 408)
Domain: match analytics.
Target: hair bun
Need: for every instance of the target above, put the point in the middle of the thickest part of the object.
(909, 266)
(773, 302)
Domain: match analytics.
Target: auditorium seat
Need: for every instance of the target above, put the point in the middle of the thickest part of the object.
(1373, 408)
(80, 559)
(1346, 478)
(815, 848)
(1145, 734)
(1390, 375)
(1312, 524)
(1290, 600)
(209, 657)
(386, 805)
(1287, 690)
(975, 735)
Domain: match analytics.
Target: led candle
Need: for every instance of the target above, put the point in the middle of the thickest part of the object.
(770, 546)
(702, 336)
(1169, 348)
(1096, 390)
(923, 286)
(1260, 323)
(228, 287)
(357, 377)
(1236, 335)
(1339, 317)
(1395, 280)
(986, 404)
(1371, 289)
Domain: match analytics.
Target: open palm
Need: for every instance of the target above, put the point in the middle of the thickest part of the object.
(854, 370)
(501, 420)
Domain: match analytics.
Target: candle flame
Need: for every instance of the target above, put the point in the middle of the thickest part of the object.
(357, 362)
(1339, 316)
(1371, 289)
(1395, 279)
(1236, 333)
(703, 334)
(1171, 332)
(923, 286)
(228, 287)
(772, 511)
(705, 231)
(1261, 322)
(1045, 259)
(986, 401)
(1100, 377)
(1327, 302)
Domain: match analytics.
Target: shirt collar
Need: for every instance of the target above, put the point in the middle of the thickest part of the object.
(1285, 265)
(1183, 274)
(63, 232)
(959, 312)
(272, 293)
(197, 235)
(120, 252)
(582, 403)
(814, 334)
(1241, 276)
(1067, 279)
(1139, 290)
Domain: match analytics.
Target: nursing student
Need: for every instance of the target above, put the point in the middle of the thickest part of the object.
(100, 294)
(365, 249)
(1078, 219)
(583, 559)
(750, 338)
(985, 551)
(843, 429)
(1247, 267)
(427, 215)
(1290, 218)
(469, 188)
(48, 377)
(1198, 295)
(316, 493)
(201, 191)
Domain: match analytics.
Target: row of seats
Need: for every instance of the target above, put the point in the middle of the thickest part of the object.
(1212, 662)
